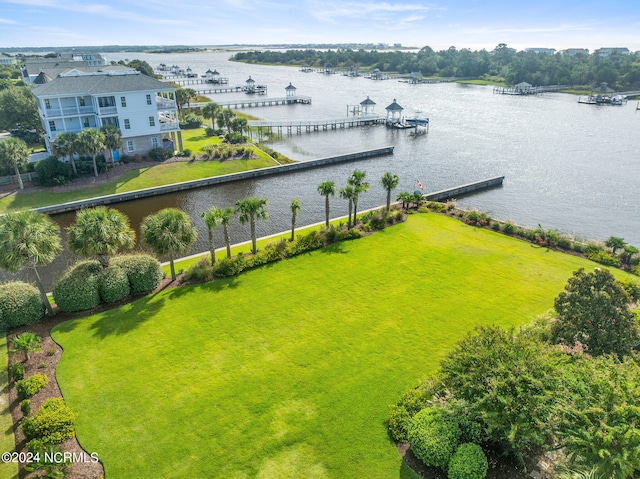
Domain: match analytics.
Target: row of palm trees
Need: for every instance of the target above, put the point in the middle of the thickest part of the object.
(14, 152)
(225, 117)
(88, 142)
(32, 239)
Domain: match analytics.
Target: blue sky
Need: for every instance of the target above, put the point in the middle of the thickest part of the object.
(474, 24)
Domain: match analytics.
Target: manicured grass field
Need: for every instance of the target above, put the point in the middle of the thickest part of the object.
(287, 371)
(157, 175)
(8, 470)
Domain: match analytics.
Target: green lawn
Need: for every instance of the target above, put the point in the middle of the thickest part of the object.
(287, 371)
(8, 470)
(157, 175)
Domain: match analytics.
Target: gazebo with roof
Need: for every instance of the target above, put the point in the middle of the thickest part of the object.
(394, 112)
(366, 106)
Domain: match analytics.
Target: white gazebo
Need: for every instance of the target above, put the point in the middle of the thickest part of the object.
(366, 106)
(394, 112)
(291, 90)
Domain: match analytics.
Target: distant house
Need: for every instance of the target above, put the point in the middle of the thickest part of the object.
(605, 52)
(143, 108)
(575, 51)
(545, 51)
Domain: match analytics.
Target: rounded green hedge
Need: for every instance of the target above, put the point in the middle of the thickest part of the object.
(144, 271)
(433, 435)
(113, 284)
(52, 424)
(468, 462)
(20, 304)
(78, 288)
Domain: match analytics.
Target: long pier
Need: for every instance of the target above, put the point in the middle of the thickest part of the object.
(214, 180)
(308, 126)
(262, 101)
(466, 189)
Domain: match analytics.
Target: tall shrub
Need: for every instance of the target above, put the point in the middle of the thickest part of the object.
(433, 436)
(20, 304)
(78, 288)
(143, 271)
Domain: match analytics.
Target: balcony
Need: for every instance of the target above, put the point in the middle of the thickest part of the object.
(67, 111)
(168, 125)
(108, 110)
(164, 104)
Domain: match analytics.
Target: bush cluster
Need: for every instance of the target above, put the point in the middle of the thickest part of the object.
(628, 257)
(78, 288)
(143, 271)
(51, 424)
(53, 172)
(468, 462)
(17, 371)
(25, 407)
(191, 121)
(113, 284)
(84, 165)
(227, 267)
(30, 386)
(159, 154)
(20, 304)
(87, 284)
(411, 402)
(433, 435)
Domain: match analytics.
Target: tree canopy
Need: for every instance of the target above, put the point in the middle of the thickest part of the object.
(621, 72)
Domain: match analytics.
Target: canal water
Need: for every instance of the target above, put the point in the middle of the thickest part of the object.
(567, 166)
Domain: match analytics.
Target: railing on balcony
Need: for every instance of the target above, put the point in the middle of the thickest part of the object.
(166, 104)
(67, 111)
(108, 110)
(168, 125)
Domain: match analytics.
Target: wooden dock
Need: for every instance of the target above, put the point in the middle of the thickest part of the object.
(250, 102)
(466, 189)
(186, 81)
(309, 126)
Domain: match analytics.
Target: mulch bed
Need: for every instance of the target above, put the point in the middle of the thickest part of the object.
(45, 362)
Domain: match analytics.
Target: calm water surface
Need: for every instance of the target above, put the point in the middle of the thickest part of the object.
(568, 166)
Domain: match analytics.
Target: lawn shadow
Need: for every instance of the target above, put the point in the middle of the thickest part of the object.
(334, 248)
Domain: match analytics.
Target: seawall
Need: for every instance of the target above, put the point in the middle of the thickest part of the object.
(466, 189)
(214, 180)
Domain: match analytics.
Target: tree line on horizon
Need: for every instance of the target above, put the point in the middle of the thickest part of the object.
(621, 72)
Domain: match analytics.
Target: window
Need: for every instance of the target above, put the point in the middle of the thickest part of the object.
(47, 104)
(127, 124)
(123, 101)
(81, 101)
(152, 121)
(154, 142)
(130, 146)
(52, 125)
(111, 120)
(106, 101)
(148, 99)
(85, 122)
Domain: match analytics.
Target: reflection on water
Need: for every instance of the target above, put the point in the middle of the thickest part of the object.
(568, 166)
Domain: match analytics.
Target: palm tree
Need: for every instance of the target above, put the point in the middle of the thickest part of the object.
(190, 94)
(326, 189)
(348, 193)
(239, 125)
(168, 233)
(225, 216)
(90, 142)
(100, 232)
(212, 220)
(210, 110)
(250, 209)
(615, 243)
(406, 199)
(225, 116)
(295, 209)
(27, 342)
(14, 152)
(30, 239)
(181, 99)
(64, 145)
(359, 186)
(389, 182)
(112, 138)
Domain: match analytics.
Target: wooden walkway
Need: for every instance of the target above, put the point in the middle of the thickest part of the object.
(309, 126)
(251, 102)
